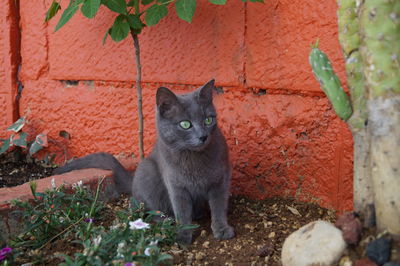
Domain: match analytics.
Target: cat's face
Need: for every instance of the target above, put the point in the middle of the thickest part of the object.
(186, 122)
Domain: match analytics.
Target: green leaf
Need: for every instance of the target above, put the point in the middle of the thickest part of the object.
(19, 140)
(185, 9)
(5, 146)
(146, 2)
(68, 13)
(120, 29)
(55, 6)
(188, 226)
(134, 21)
(163, 257)
(16, 127)
(217, 2)
(90, 8)
(254, 1)
(118, 6)
(155, 13)
(105, 36)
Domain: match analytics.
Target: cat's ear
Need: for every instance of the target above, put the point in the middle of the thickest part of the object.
(206, 92)
(167, 102)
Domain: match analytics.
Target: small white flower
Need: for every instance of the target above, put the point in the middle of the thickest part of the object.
(121, 249)
(97, 241)
(114, 227)
(61, 219)
(80, 183)
(153, 243)
(118, 226)
(53, 183)
(147, 251)
(138, 224)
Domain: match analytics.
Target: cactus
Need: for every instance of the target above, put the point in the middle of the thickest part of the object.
(380, 48)
(350, 39)
(330, 83)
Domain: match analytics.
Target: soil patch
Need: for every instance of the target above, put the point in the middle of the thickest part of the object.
(260, 226)
(16, 169)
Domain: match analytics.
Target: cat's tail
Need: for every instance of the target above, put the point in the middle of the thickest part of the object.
(105, 161)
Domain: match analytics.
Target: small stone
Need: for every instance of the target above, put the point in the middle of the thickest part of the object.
(265, 225)
(365, 262)
(271, 235)
(200, 255)
(317, 243)
(203, 233)
(250, 227)
(206, 244)
(176, 252)
(379, 250)
(345, 261)
(265, 250)
(392, 263)
(350, 226)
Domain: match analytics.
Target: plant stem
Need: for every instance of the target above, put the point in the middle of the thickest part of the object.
(91, 212)
(62, 232)
(139, 91)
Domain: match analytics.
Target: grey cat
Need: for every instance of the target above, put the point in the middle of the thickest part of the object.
(188, 166)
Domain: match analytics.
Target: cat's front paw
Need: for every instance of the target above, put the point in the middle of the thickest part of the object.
(223, 232)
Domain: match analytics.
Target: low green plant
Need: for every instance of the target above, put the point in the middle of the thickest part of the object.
(135, 236)
(52, 212)
(19, 138)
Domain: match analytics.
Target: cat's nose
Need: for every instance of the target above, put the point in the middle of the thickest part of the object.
(203, 138)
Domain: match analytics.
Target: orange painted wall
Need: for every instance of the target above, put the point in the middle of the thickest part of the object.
(283, 135)
(9, 61)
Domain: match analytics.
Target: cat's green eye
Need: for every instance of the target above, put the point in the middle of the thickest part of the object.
(185, 124)
(208, 121)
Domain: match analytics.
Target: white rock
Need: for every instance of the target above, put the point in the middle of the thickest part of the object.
(317, 243)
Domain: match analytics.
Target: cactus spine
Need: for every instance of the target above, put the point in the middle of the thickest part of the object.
(330, 83)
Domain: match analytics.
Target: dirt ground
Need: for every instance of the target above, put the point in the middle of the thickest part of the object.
(260, 226)
(16, 170)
